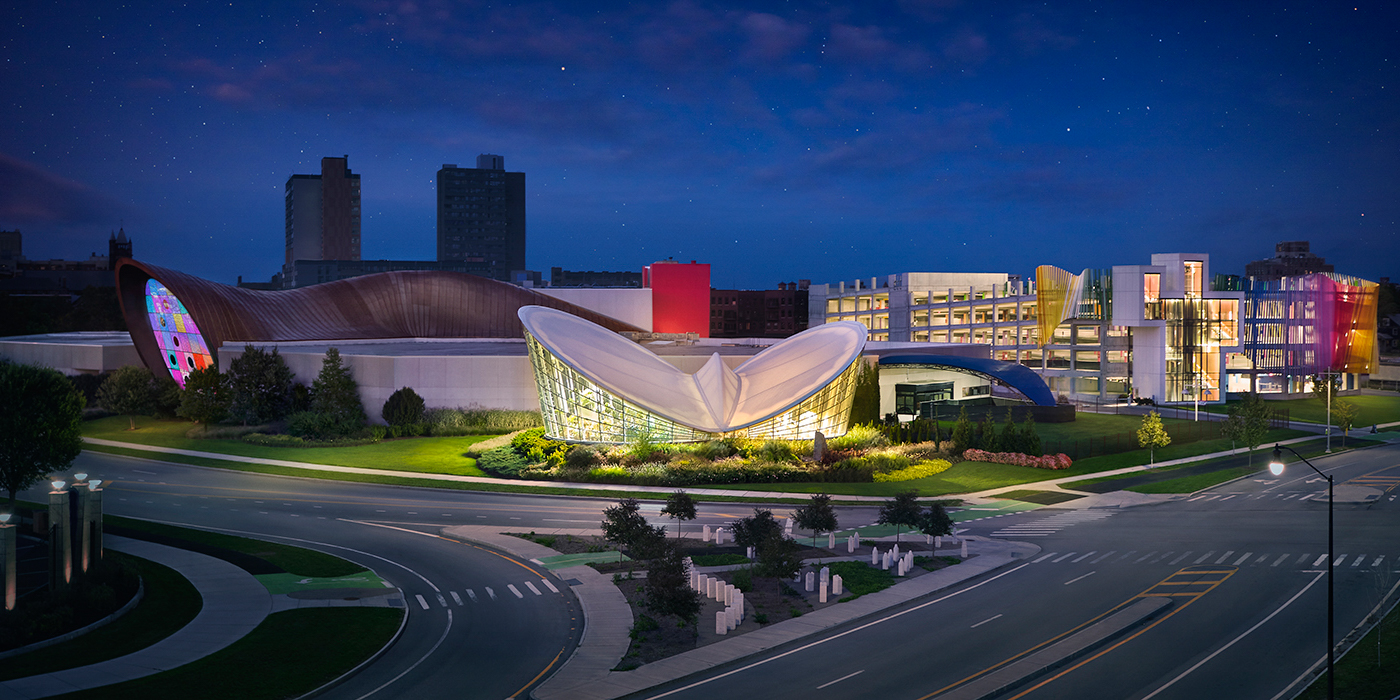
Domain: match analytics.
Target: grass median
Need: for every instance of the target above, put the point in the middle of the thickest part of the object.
(1374, 408)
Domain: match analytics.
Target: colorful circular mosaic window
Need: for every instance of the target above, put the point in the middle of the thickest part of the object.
(180, 343)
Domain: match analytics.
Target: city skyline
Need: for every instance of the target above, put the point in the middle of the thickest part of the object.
(823, 143)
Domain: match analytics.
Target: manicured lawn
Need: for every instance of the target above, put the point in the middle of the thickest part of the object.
(1370, 670)
(291, 653)
(859, 578)
(170, 602)
(1084, 426)
(1374, 409)
(440, 455)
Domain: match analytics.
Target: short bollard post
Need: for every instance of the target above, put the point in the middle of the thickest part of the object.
(895, 552)
(824, 575)
(739, 604)
(874, 556)
(753, 552)
(719, 535)
(811, 581)
(729, 591)
(909, 562)
(821, 597)
(732, 617)
(836, 585)
(851, 544)
(928, 539)
(938, 541)
(721, 623)
(694, 580)
(885, 561)
(705, 534)
(964, 549)
(899, 566)
(712, 591)
(831, 540)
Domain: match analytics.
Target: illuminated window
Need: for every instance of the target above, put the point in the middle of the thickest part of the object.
(181, 346)
(1193, 272)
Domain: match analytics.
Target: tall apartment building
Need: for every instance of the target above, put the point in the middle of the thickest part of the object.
(1291, 259)
(481, 217)
(323, 216)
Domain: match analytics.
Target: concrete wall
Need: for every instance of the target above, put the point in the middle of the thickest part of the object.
(629, 305)
(72, 353)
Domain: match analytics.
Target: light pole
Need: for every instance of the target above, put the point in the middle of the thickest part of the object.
(1276, 468)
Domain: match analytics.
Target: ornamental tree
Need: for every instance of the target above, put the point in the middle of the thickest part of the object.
(935, 522)
(668, 590)
(817, 516)
(901, 511)
(404, 407)
(261, 386)
(1344, 414)
(336, 396)
(128, 392)
(40, 428)
(679, 506)
(206, 396)
(1152, 434)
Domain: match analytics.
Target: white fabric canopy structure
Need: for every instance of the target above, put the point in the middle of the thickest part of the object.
(597, 386)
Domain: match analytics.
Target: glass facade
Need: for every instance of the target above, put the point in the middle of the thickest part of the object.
(181, 346)
(577, 410)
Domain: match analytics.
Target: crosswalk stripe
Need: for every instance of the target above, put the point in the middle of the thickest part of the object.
(1320, 558)
(1102, 558)
(441, 600)
(471, 594)
(1183, 556)
(1242, 558)
(1302, 558)
(1377, 562)
(1139, 561)
(1130, 553)
(1340, 559)
(421, 601)
(515, 590)
(1224, 556)
(1204, 557)
(1359, 559)
(549, 585)
(1261, 558)
(490, 593)
(1063, 558)
(1082, 558)
(1158, 560)
(532, 588)
(1037, 561)
(456, 598)
(1281, 557)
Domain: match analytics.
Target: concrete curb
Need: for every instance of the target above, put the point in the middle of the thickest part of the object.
(403, 622)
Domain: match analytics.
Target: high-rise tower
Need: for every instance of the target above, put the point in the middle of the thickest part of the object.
(481, 217)
(323, 214)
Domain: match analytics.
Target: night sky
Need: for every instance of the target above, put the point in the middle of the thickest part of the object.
(775, 141)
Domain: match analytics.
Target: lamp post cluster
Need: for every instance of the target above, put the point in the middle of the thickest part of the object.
(1276, 468)
(74, 533)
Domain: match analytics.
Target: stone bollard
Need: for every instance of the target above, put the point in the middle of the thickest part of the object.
(874, 556)
(831, 540)
(928, 539)
(739, 604)
(938, 542)
(836, 585)
(705, 534)
(885, 561)
(716, 589)
(899, 566)
(752, 552)
(909, 562)
(729, 591)
(824, 575)
(694, 580)
(851, 544)
(821, 597)
(719, 535)
(964, 549)
(895, 552)
(721, 623)
(731, 617)
(700, 580)
(811, 582)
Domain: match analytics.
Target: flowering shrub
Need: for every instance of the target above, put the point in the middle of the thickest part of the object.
(1059, 461)
(917, 471)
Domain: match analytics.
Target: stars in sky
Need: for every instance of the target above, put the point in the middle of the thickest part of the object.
(753, 137)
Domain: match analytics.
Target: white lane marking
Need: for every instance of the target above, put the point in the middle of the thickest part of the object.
(1243, 557)
(139, 471)
(1217, 652)
(1130, 553)
(1359, 558)
(456, 598)
(1164, 556)
(1063, 558)
(441, 600)
(489, 592)
(422, 601)
(514, 590)
(1047, 556)
(1139, 561)
(1261, 558)
(549, 585)
(1183, 556)
(480, 516)
(805, 647)
(1320, 558)
(556, 520)
(1377, 562)
(842, 678)
(986, 621)
(1228, 497)
(1083, 557)
(1194, 499)
(1204, 557)
(1302, 558)
(1081, 578)
(471, 594)
(1224, 556)
(1291, 496)
(1340, 558)
(1281, 557)
(1102, 558)
(532, 588)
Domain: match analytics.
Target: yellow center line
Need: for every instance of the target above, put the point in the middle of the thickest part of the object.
(1146, 593)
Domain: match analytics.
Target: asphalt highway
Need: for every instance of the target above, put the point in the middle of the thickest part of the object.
(1243, 563)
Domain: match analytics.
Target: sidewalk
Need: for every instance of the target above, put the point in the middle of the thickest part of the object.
(588, 674)
(233, 604)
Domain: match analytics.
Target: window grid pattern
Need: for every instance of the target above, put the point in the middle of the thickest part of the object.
(828, 411)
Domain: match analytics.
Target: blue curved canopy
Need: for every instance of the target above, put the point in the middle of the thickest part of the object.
(1014, 375)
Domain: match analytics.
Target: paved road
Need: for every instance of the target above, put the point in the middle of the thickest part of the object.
(1243, 565)
(480, 624)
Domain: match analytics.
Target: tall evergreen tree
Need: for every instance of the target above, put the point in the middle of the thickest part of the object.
(1030, 437)
(987, 432)
(1009, 439)
(335, 395)
(964, 434)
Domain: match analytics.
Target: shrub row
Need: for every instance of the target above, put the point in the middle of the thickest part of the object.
(916, 471)
(1057, 461)
(478, 421)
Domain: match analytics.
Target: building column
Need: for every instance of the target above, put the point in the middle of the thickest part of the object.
(60, 539)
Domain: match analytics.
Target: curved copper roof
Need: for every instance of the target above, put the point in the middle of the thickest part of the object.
(406, 304)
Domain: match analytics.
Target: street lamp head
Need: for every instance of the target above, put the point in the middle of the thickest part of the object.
(5, 518)
(1276, 463)
(79, 476)
(92, 485)
(58, 484)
